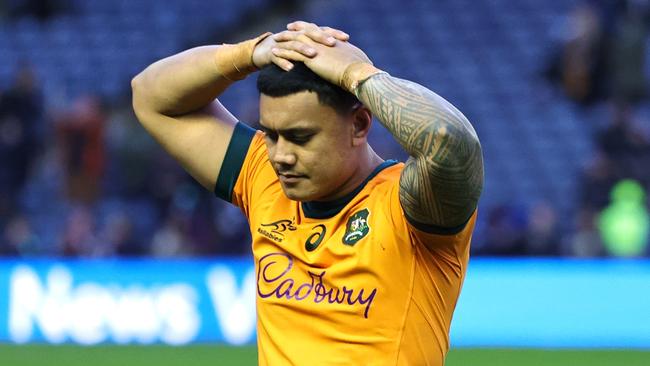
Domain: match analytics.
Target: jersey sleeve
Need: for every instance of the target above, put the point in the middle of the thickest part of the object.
(451, 244)
(246, 172)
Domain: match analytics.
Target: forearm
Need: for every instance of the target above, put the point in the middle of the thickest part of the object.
(181, 83)
(190, 80)
(423, 123)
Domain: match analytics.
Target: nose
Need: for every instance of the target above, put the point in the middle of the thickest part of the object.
(281, 153)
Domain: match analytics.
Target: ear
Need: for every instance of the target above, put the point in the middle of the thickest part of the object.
(361, 122)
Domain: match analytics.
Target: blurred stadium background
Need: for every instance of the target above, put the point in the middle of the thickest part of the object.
(105, 240)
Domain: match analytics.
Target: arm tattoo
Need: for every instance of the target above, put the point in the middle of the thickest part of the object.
(442, 180)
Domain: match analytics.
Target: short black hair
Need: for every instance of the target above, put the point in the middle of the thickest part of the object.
(275, 82)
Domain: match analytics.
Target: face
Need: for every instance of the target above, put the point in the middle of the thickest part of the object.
(311, 147)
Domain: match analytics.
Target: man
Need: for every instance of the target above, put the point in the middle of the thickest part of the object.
(359, 261)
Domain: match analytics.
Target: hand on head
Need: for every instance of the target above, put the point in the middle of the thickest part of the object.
(296, 43)
(326, 51)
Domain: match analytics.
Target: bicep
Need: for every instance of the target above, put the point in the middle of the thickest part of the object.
(439, 196)
(197, 140)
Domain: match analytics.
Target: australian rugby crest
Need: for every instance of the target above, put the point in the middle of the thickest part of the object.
(357, 227)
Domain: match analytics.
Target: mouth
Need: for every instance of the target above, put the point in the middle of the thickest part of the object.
(288, 178)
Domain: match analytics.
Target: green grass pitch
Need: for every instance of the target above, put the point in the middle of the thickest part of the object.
(214, 355)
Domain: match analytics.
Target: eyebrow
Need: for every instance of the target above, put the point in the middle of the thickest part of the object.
(290, 131)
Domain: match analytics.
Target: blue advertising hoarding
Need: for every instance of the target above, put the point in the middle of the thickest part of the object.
(504, 303)
(147, 301)
(554, 303)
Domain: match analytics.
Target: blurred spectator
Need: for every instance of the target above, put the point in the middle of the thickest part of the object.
(602, 54)
(234, 235)
(626, 146)
(542, 235)
(79, 238)
(512, 230)
(627, 52)
(165, 179)
(202, 228)
(19, 239)
(21, 114)
(505, 233)
(131, 155)
(596, 181)
(80, 134)
(585, 241)
(118, 237)
(171, 239)
(625, 224)
(579, 65)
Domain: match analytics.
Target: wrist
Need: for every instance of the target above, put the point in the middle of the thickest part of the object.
(356, 73)
(235, 61)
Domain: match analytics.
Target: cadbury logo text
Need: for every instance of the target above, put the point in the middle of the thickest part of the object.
(274, 275)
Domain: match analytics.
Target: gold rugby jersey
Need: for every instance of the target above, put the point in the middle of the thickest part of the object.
(349, 282)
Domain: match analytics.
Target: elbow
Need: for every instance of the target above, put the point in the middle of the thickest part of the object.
(138, 100)
(136, 88)
(135, 84)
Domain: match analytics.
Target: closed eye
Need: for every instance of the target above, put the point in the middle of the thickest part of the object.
(298, 136)
(299, 139)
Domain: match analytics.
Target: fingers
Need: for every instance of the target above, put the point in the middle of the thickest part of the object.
(296, 42)
(288, 55)
(286, 52)
(284, 64)
(301, 36)
(325, 35)
(283, 57)
(300, 25)
(299, 42)
(338, 34)
(318, 35)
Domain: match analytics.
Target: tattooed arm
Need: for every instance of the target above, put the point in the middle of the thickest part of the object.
(443, 178)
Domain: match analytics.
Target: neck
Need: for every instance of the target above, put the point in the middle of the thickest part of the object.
(329, 206)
